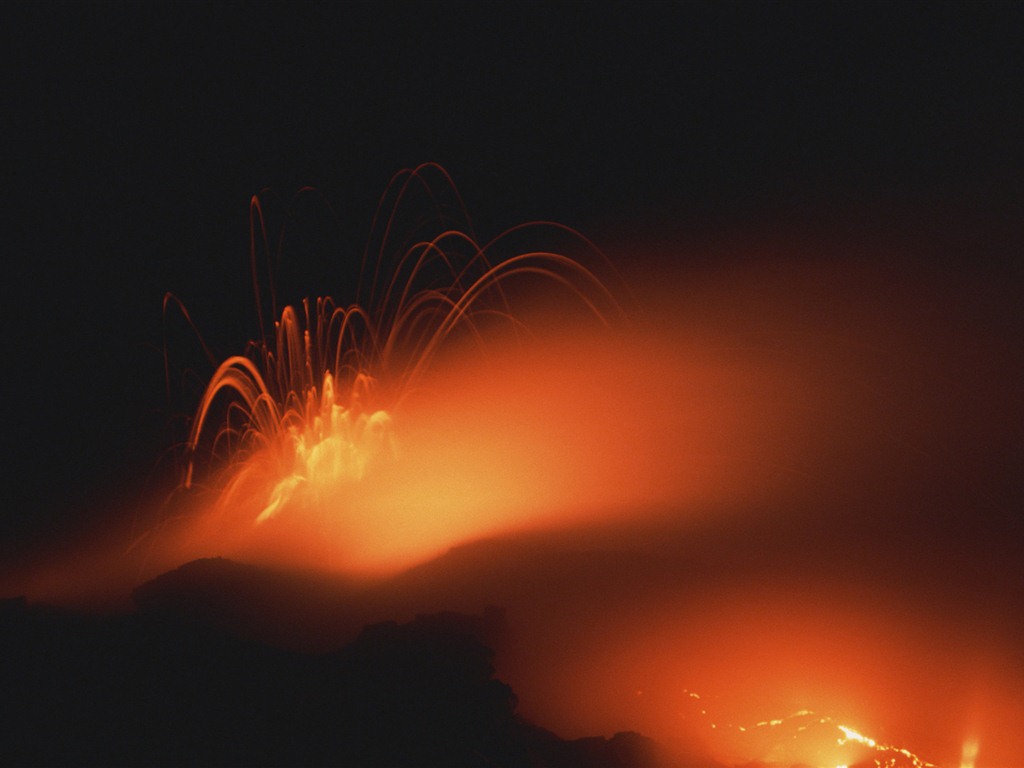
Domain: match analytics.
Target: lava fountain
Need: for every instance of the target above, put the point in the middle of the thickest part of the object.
(301, 448)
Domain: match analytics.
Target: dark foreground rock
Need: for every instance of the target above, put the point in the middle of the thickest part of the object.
(145, 690)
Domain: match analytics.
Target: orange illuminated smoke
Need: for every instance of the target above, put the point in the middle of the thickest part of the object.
(304, 433)
(772, 485)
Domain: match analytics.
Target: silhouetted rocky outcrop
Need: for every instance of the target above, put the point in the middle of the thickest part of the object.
(627, 749)
(161, 688)
(295, 610)
(423, 693)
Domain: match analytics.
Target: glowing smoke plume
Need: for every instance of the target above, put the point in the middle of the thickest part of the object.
(800, 430)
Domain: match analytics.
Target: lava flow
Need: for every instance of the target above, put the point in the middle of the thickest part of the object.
(804, 737)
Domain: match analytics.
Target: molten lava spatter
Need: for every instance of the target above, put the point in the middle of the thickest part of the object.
(336, 449)
(307, 425)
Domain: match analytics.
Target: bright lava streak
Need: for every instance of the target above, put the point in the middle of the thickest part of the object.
(302, 445)
(852, 735)
(804, 738)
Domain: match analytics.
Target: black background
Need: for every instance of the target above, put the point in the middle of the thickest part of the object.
(135, 134)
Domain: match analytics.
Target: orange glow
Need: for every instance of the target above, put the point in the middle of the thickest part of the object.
(865, 668)
(480, 394)
(970, 753)
(574, 428)
(576, 445)
(747, 523)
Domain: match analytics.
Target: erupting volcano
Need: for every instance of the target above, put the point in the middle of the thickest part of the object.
(683, 431)
(739, 475)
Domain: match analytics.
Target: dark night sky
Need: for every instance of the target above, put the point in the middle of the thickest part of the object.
(135, 134)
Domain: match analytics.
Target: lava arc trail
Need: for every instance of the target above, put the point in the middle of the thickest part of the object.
(300, 443)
